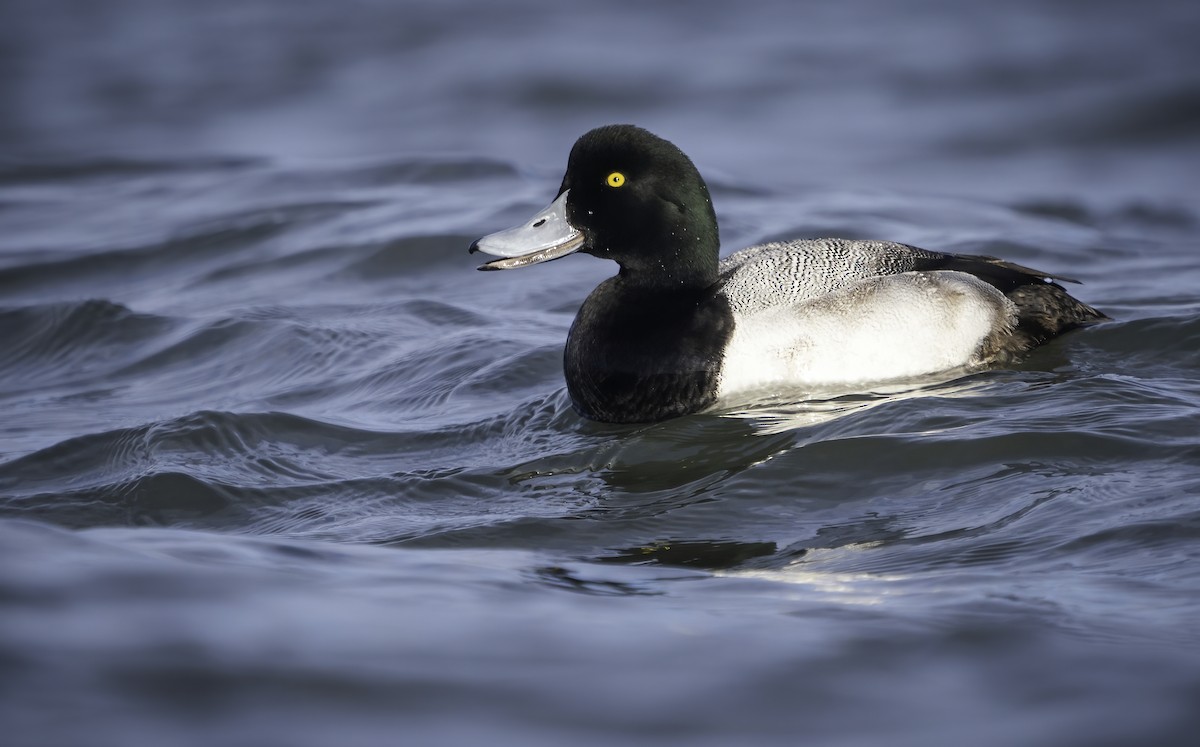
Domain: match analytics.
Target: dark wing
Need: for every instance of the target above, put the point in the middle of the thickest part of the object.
(1005, 276)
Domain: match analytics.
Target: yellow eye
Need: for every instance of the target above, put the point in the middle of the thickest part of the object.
(616, 179)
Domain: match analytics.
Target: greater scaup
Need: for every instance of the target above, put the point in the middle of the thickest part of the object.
(677, 331)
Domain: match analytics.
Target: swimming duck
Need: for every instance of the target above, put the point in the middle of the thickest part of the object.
(677, 330)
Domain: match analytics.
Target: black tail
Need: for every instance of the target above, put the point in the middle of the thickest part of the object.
(1045, 311)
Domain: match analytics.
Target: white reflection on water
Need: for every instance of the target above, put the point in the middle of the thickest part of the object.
(845, 588)
(779, 412)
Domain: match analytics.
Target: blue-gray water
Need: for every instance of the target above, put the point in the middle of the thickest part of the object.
(279, 467)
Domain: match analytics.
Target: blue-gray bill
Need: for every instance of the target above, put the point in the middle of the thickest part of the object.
(546, 236)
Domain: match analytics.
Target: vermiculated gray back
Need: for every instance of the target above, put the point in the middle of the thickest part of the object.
(791, 272)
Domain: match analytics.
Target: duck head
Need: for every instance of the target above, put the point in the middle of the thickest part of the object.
(628, 196)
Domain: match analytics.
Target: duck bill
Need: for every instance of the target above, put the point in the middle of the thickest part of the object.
(546, 236)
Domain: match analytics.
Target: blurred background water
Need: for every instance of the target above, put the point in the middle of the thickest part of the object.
(278, 467)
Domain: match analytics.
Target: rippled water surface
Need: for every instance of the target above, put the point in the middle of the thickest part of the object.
(278, 467)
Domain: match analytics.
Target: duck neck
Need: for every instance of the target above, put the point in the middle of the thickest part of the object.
(687, 266)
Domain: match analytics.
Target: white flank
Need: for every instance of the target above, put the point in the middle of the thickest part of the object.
(873, 330)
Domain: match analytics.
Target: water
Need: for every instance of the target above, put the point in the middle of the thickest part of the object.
(277, 466)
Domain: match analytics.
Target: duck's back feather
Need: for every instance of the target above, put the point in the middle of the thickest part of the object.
(787, 273)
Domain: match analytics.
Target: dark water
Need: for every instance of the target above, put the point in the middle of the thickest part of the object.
(278, 467)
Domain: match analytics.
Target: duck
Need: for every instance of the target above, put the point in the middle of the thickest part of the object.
(678, 330)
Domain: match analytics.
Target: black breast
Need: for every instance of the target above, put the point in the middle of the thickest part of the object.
(637, 355)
